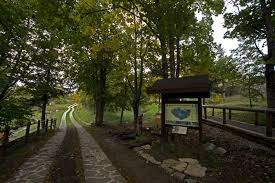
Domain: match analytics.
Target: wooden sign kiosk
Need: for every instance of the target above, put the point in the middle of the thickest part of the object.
(181, 101)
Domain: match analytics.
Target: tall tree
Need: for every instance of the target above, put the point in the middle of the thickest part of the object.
(251, 23)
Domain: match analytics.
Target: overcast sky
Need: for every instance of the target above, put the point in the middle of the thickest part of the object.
(219, 32)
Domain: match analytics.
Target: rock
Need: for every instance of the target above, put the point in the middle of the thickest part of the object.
(170, 162)
(189, 160)
(137, 149)
(195, 170)
(190, 181)
(150, 158)
(209, 146)
(180, 167)
(179, 176)
(146, 147)
(220, 151)
(167, 169)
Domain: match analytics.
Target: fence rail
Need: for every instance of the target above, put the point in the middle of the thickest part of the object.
(227, 110)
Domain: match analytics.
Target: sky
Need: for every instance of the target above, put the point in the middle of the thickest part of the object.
(219, 32)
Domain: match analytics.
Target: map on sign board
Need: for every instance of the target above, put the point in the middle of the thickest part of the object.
(181, 114)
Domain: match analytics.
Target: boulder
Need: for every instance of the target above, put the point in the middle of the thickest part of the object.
(137, 149)
(146, 147)
(167, 169)
(195, 170)
(179, 176)
(189, 160)
(150, 158)
(170, 162)
(190, 181)
(220, 151)
(209, 146)
(180, 167)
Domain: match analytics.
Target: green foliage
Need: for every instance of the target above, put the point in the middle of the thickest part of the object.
(14, 112)
(224, 74)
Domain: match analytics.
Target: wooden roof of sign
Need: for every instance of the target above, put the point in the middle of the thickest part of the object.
(186, 87)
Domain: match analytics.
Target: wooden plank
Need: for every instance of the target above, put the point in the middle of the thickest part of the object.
(263, 110)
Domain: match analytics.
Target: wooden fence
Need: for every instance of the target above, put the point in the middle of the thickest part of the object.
(227, 110)
(49, 124)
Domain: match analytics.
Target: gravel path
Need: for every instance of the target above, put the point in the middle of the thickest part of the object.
(36, 168)
(97, 167)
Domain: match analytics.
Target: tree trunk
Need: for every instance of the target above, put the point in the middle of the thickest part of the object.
(6, 139)
(164, 58)
(99, 112)
(267, 11)
(178, 58)
(270, 85)
(135, 110)
(43, 111)
(249, 90)
(172, 55)
(121, 114)
(100, 98)
(270, 60)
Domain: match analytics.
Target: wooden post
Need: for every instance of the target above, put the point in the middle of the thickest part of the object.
(256, 118)
(163, 130)
(27, 132)
(224, 116)
(6, 139)
(51, 125)
(229, 114)
(200, 118)
(54, 123)
(46, 127)
(205, 112)
(38, 127)
(268, 124)
(213, 111)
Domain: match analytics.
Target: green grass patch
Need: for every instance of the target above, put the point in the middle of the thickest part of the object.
(87, 116)
(83, 114)
(59, 115)
(68, 121)
(241, 101)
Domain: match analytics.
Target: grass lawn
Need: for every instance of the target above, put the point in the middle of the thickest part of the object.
(238, 100)
(83, 114)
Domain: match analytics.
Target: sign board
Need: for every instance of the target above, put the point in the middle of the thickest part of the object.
(182, 114)
(179, 130)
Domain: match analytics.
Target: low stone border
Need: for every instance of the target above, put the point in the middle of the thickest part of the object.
(177, 168)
